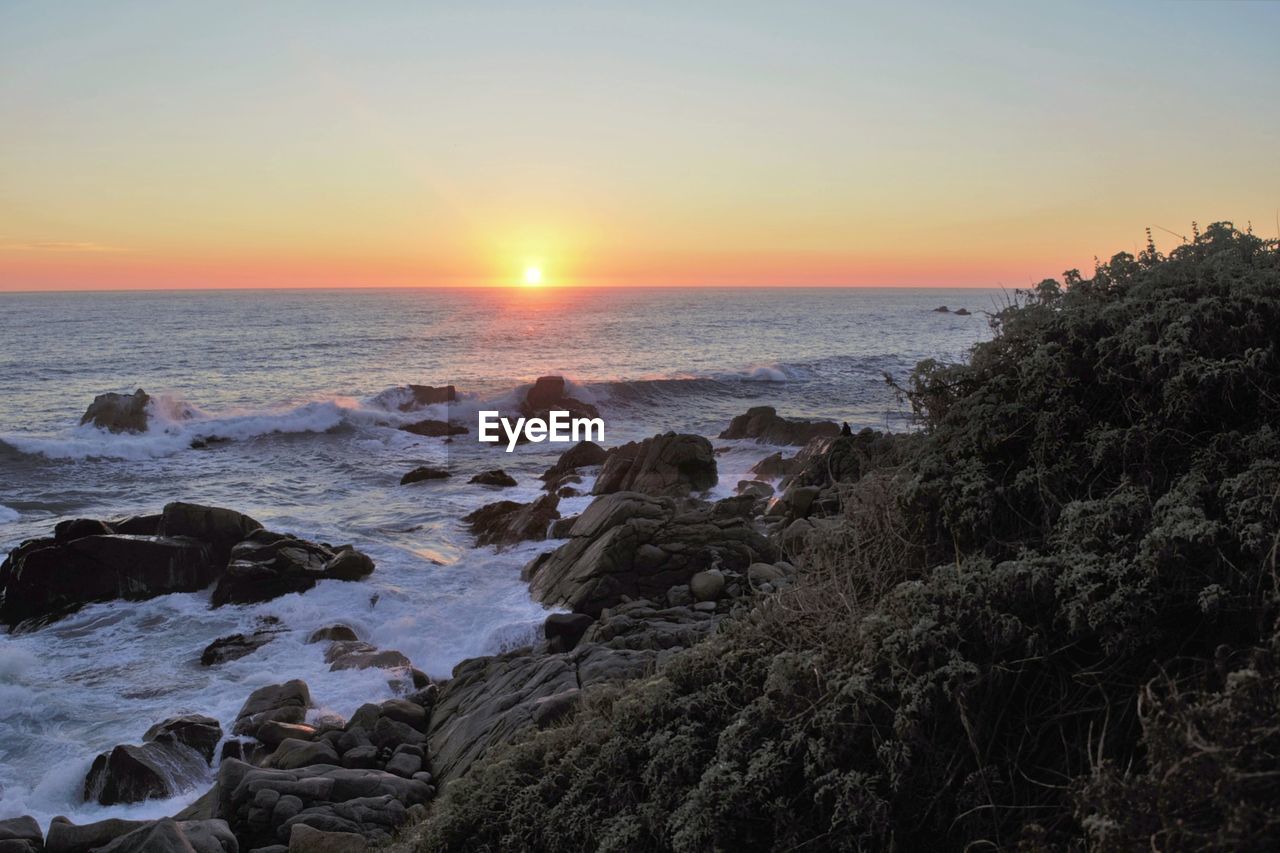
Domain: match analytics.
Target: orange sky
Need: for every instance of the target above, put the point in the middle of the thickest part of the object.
(318, 144)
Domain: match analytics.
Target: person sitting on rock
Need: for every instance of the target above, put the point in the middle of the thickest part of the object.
(845, 429)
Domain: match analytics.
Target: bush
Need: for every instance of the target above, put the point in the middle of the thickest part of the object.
(1031, 633)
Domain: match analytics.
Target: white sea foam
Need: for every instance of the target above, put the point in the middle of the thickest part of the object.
(7, 514)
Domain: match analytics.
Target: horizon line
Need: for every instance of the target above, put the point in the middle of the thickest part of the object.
(517, 287)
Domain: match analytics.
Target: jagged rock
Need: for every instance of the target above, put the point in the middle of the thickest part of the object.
(371, 803)
(632, 545)
(43, 578)
(774, 467)
(496, 477)
(20, 835)
(119, 412)
(423, 473)
(582, 455)
(339, 632)
(195, 731)
(67, 837)
(672, 465)
(236, 646)
(560, 528)
(509, 522)
(304, 839)
(765, 425)
(563, 630)
(434, 429)
(708, 585)
(266, 565)
(176, 836)
(284, 703)
(221, 528)
(131, 774)
(409, 398)
(548, 393)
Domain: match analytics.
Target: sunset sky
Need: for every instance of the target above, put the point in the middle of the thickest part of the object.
(282, 144)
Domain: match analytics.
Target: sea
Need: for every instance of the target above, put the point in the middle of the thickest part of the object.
(290, 398)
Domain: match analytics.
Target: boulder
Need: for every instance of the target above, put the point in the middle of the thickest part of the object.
(176, 836)
(235, 646)
(434, 429)
(508, 522)
(774, 467)
(20, 835)
(337, 631)
(284, 703)
(292, 753)
(67, 837)
(410, 398)
(194, 731)
(119, 412)
(582, 455)
(131, 774)
(754, 489)
(359, 655)
(138, 525)
(708, 585)
(273, 732)
(764, 573)
(496, 477)
(629, 545)
(942, 309)
(547, 394)
(78, 528)
(563, 630)
(961, 312)
(304, 839)
(266, 565)
(670, 465)
(43, 578)
(764, 424)
(422, 473)
(221, 528)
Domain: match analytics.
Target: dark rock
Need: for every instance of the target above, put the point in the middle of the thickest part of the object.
(509, 522)
(755, 488)
(221, 528)
(361, 757)
(765, 425)
(496, 477)
(131, 774)
(172, 836)
(78, 528)
(547, 394)
(236, 646)
(267, 565)
(582, 455)
(339, 632)
(67, 837)
(293, 753)
(774, 467)
(942, 309)
(20, 834)
(434, 429)
(560, 528)
(195, 731)
(304, 839)
(409, 398)
(670, 465)
(424, 472)
(563, 630)
(358, 655)
(405, 711)
(632, 545)
(961, 312)
(138, 525)
(273, 732)
(707, 585)
(119, 412)
(284, 703)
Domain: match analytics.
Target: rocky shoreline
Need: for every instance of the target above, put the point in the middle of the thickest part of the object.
(649, 568)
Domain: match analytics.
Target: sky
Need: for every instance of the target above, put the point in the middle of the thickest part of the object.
(319, 144)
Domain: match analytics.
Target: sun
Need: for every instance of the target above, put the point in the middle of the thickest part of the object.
(533, 276)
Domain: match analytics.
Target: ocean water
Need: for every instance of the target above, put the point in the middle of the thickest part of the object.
(291, 380)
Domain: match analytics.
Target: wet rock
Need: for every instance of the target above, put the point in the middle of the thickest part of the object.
(176, 836)
(131, 774)
(78, 528)
(235, 646)
(548, 393)
(119, 412)
(629, 545)
(509, 522)
(942, 309)
(410, 398)
(671, 465)
(221, 528)
(434, 429)
(267, 565)
(195, 731)
(582, 455)
(304, 839)
(563, 630)
(764, 424)
(20, 834)
(774, 467)
(284, 703)
(67, 837)
(358, 655)
(961, 312)
(496, 477)
(337, 631)
(423, 473)
(138, 525)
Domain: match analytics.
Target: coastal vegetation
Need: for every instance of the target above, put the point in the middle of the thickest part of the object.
(1046, 620)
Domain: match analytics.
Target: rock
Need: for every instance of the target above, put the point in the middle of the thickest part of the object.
(824, 461)
(409, 398)
(548, 393)
(404, 711)
(563, 630)
(119, 412)
(138, 525)
(67, 837)
(644, 626)
(942, 309)
(508, 522)
(632, 545)
(173, 836)
(371, 803)
(755, 489)
(358, 655)
(705, 606)
(560, 528)
(21, 834)
(131, 774)
(762, 573)
(708, 585)
(235, 646)
(336, 631)
(78, 528)
(44, 578)
(434, 429)
(361, 757)
(671, 465)
(774, 467)
(304, 839)
(284, 703)
(195, 731)
(961, 312)
(267, 565)
(293, 753)
(221, 528)
(496, 477)
(582, 455)
(765, 425)
(422, 473)
(273, 732)
(404, 764)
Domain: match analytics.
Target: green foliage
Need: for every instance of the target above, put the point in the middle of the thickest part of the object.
(1087, 662)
